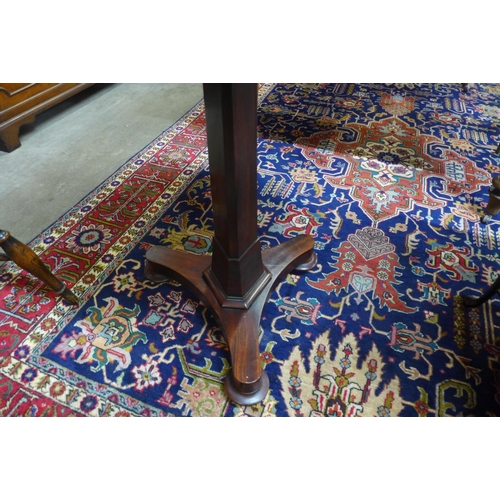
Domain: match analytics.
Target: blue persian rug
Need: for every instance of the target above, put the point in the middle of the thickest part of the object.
(391, 180)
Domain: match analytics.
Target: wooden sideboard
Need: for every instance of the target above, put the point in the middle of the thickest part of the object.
(21, 102)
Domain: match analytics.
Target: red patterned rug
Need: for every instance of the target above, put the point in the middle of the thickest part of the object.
(390, 180)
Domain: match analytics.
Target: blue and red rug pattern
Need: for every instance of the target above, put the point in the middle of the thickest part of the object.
(391, 180)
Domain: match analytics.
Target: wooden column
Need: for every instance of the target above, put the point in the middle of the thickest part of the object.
(237, 280)
(237, 273)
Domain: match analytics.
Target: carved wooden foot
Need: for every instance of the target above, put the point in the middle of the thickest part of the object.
(9, 136)
(239, 320)
(28, 260)
(493, 206)
(9, 139)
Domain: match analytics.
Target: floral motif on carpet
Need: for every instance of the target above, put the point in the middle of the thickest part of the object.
(389, 179)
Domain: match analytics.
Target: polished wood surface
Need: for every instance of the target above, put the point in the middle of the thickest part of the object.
(21, 102)
(28, 260)
(231, 114)
(236, 281)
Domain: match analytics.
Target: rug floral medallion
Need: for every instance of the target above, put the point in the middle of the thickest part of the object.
(391, 181)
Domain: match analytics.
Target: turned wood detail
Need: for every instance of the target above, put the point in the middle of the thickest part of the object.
(234, 282)
(28, 260)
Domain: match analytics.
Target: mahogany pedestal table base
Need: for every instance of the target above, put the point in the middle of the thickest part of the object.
(247, 383)
(235, 282)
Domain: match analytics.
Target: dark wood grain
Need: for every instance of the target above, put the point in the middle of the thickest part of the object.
(236, 281)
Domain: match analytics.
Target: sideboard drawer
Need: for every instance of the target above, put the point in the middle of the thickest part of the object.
(19, 95)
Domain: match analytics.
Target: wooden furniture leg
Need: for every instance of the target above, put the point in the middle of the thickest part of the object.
(495, 288)
(493, 206)
(28, 260)
(20, 103)
(236, 281)
(9, 138)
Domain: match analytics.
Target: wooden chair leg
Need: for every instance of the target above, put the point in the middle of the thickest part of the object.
(493, 290)
(493, 206)
(28, 260)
